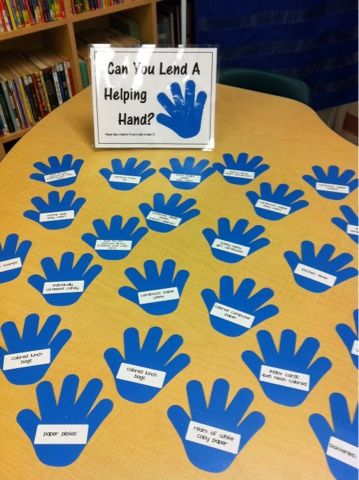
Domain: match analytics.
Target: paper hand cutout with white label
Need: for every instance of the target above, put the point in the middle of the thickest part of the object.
(12, 257)
(286, 375)
(215, 433)
(339, 441)
(64, 284)
(116, 241)
(66, 425)
(241, 171)
(28, 356)
(158, 292)
(184, 111)
(276, 203)
(127, 176)
(235, 312)
(57, 213)
(333, 184)
(142, 372)
(350, 338)
(164, 216)
(233, 245)
(351, 223)
(189, 175)
(58, 173)
(319, 272)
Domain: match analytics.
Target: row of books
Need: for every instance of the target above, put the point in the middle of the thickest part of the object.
(16, 14)
(169, 22)
(31, 86)
(79, 6)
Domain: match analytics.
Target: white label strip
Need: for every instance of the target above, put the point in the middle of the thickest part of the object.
(285, 378)
(59, 176)
(70, 286)
(273, 207)
(232, 315)
(113, 245)
(231, 247)
(160, 295)
(343, 451)
(56, 216)
(355, 348)
(184, 177)
(10, 264)
(314, 274)
(238, 173)
(332, 187)
(125, 178)
(142, 375)
(27, 359)
(353, 229)
(61, 434)
(164, 218)
(213, 437)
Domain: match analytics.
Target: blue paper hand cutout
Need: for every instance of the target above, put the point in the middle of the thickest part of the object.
(184, 113)
(158, 292)
(116, 241)
(241, 171)
(235, 312)
(233, 245)
(189, 175)
(319, 272)
(277, 203)
(333, 185)
(57, 213)
(12, 257)
(142, 372)
(64, 285)
(72, 419)
(351, 223)
(58, 173)
(215, 434)
(350, 338)
(286, 376)
(165, 216)
(127, 176)
(340, 442)
(29, 356)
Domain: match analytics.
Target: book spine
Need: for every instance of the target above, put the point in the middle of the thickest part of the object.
(57, 85)
(26, 103)
(62, 81)
(25, 82)
(5, 129)
(37, 93)
(19, 23)
(5, 109)
(50, 88)
(43, 102)
(37, 113)
(69, 78)
(11, 14)
(10, 99)
(44, 94)
(5, 15)
(19, 104)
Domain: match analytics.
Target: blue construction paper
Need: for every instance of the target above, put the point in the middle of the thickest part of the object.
(66, 168)
(12, 257)
(332, 177)
(244, 169)
(130, 175)
(191, 174)
(351, 219)
(349, 336)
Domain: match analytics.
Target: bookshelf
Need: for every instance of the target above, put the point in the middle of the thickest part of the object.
(60, 36)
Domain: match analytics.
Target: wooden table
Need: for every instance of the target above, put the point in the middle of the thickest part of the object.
(137, 440)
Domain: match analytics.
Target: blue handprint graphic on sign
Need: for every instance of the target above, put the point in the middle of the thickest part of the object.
(57, 213)
(350, 338)
(235, 312)
(28, 356)
(58, 173)
(233, 245)
(340, 441)
(64, 285)
(276, 203)
(116, 241)
(127, 176)
(165, 216)
(158, 292)
(66, 425)
(142, 372)
(333, 185)
(184, 112)
(286, 376)
(351, 223)
(12, 257)
(214, 434)
(241, 171)
(189, 175)
(319, 272)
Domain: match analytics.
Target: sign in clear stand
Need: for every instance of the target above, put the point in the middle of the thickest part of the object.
(151, 97)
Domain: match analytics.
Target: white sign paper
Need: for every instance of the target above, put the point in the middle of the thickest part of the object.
(213, 437)
(142, 375)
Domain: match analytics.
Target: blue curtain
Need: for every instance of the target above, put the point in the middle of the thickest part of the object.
(314, 40)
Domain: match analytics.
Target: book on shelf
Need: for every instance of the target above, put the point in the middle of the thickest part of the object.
(15, 14)
(80, 6)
